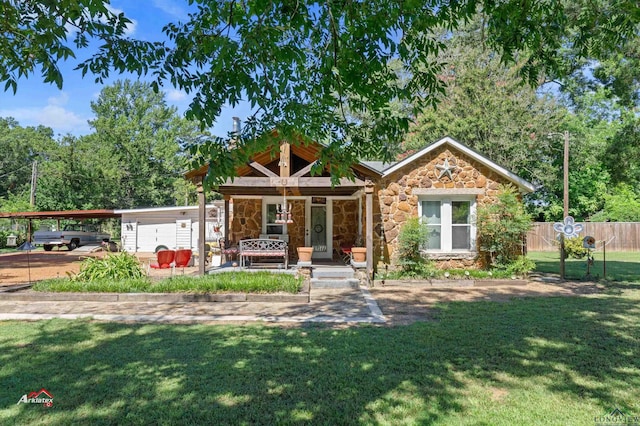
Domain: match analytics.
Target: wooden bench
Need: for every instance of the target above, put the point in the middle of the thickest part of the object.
(263, 248)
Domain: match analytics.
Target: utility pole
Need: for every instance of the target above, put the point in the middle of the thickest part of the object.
(32, 198)
(565, 196)
(565, 201)
(34, 183)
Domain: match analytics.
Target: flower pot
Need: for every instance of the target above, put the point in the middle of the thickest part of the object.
(304, 254)
(359, 254)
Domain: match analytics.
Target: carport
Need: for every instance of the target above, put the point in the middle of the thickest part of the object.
(59, 215)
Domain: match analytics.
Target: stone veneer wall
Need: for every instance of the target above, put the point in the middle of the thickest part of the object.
(246, 222)
(345, 223)
(398, 202)
(247, 219)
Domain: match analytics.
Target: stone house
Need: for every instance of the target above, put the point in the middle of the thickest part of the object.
(276, 197)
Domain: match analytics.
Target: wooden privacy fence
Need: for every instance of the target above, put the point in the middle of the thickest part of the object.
(622, 236)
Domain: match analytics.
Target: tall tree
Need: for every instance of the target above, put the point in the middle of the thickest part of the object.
(486, 106)
(301, 63)
(19, 148)
(73, 176)
(140, 136)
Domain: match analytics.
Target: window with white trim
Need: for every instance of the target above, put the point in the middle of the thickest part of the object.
(269, 222)
(451, 223)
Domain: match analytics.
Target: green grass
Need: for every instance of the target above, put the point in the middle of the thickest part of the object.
(621, 266)
(538, 361)
(236, 282)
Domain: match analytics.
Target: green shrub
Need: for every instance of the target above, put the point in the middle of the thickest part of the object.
(502, 227)
(573, 247)
(521, 266)
(411, 239)
(114, 266)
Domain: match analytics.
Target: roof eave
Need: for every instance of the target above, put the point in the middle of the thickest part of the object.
(523, 185)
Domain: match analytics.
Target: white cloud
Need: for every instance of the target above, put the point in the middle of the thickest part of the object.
(176, 95)
(62, 99)
(171, 8)
(53, 115)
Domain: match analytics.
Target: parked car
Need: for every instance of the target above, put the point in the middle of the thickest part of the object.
(72, 236)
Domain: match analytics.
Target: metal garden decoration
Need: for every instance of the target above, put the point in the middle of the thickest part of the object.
(566, 229)
(569, 228)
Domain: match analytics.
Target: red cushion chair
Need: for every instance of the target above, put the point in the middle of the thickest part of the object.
(165, 259)
(183, 256)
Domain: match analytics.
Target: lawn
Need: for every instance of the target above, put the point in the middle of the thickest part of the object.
(228, 282)
(621, 266)
(536, 361)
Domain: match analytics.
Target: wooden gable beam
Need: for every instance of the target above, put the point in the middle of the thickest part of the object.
(304, 171)
(262, 169)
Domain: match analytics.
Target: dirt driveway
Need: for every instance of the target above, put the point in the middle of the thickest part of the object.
(16, 268)
(19, 267)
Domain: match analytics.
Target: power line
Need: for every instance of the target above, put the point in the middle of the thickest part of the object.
(17, 170)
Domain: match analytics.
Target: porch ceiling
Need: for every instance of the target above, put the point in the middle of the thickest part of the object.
(307, 191)
(309, 186)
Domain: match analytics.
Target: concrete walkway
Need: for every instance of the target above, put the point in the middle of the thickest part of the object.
(325, 305)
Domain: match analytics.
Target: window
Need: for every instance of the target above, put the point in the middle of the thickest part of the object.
(271, 227)
(450, 223)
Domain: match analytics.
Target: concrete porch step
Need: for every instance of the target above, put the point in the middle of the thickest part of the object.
(334, 283)
(336, 272)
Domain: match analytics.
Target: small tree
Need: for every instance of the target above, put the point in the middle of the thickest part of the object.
(502, 227)
(411, 239)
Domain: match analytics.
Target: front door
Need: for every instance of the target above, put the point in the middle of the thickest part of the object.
(319, 228)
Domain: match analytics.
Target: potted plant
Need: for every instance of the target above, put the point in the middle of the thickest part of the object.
(358, 252)
(304, 254)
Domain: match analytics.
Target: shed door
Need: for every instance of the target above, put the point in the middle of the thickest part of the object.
(129, 235)
(183, 233)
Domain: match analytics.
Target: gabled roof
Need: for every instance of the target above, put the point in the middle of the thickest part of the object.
(522, 184)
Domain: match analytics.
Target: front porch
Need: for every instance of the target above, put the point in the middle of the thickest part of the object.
(276, 198)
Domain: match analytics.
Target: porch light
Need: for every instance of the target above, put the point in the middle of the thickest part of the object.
(283, 211)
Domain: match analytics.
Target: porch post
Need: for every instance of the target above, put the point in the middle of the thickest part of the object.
(368, 190)
(226, 219)
(202, 227)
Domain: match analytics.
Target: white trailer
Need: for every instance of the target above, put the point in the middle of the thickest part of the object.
(150, 229)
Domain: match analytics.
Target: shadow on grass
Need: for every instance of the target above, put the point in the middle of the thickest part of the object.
(106, 373)
(619, 266)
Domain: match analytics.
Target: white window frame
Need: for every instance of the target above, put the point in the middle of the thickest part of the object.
(266, 201)
(446, 221)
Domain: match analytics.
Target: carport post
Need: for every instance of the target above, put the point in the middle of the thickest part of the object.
(202, 227)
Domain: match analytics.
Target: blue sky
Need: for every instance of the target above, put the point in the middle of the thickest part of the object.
(66, 111)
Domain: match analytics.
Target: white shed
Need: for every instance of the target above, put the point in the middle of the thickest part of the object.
(146, 230)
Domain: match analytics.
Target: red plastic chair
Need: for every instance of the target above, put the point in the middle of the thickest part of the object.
(345, 253)
(165, 259)
(183, 257)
